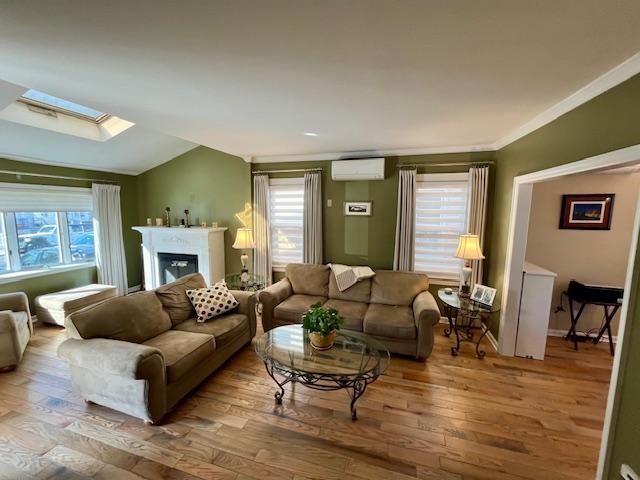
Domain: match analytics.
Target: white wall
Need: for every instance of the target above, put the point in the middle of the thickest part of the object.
(598, 256)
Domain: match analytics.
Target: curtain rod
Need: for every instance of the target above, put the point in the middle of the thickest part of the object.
(59, 177)
(449, 164)
(291, 170)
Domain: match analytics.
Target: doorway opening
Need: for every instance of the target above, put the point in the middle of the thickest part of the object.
(521, 210)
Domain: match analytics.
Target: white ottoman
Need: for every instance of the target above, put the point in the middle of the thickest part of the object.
(54, 307)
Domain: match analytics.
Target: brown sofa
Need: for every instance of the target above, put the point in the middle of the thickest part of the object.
(394, 307)
(140, 354)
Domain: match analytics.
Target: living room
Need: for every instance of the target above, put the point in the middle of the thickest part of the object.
(407, 139)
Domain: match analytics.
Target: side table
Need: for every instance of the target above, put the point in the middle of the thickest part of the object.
(467, 320)
(251, 282)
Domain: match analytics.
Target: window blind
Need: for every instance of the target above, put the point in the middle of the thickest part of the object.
(18, 197)
(441, 216)
(286, 197)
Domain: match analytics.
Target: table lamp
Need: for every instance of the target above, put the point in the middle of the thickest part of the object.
(468, 249)
(244, 241)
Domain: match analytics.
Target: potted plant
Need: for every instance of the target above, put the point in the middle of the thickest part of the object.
(323, 325)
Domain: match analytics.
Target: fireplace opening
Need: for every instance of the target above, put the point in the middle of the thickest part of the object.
(175, 265)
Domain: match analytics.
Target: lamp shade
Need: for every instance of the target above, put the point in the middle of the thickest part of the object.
(469, 247)
(244, 239)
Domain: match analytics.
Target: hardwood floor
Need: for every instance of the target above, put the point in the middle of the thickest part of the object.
(451, 418)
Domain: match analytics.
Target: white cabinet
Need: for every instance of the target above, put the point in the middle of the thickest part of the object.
(535, 307)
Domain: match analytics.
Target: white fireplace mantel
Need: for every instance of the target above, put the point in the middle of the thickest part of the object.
(206, 243)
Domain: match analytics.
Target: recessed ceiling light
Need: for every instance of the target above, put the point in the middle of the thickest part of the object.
(310, 134)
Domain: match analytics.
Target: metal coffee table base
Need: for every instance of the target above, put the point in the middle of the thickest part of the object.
(355, 386)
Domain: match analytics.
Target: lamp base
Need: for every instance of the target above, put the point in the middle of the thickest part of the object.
(465, 290)
(244, 273)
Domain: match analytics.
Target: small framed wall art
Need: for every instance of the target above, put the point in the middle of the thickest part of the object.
(362, 209)
(587, 212)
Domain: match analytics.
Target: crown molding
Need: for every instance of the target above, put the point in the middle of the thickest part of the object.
(610, 79)
(76, 166)
(399, 152)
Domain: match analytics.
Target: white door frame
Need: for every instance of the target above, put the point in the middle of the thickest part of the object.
(516, 250)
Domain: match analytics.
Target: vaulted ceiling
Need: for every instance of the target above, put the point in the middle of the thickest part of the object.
(250, 77)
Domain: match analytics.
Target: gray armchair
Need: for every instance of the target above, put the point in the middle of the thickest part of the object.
(15, 329)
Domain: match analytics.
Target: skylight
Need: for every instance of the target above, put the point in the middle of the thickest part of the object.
(45, 100)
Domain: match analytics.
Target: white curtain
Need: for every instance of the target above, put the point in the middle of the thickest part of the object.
(478, 186)
(312, 218)
(107, 225)
(405, 221)
(261, 229)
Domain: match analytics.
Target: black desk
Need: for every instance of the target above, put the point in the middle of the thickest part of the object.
(610, 298)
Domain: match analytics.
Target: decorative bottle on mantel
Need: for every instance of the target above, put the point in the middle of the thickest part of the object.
(186, 219)
(167, 217)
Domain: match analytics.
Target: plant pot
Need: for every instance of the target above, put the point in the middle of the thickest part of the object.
(322, 342)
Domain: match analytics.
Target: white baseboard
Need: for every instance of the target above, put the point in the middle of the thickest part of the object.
(562, 333)
(492, 340)
(135, 288)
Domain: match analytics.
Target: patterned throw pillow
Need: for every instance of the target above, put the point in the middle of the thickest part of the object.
(212, 301)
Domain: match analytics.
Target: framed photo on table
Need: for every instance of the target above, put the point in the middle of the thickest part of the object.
(587, 212)
(483, 294)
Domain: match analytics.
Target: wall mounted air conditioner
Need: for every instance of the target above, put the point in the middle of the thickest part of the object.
(360, 169)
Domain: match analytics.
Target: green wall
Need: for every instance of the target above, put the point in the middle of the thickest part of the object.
(608, 122)
(213, 185)
(60, 281)
(368, 240)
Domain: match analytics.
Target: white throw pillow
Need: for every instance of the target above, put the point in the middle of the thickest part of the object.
(212, 301)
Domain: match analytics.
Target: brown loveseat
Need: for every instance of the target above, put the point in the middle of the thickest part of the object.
(393, 307)
(140, 354)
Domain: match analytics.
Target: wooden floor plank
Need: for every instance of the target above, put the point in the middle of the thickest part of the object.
(451, 418)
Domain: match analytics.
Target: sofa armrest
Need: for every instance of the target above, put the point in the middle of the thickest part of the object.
(115, 357)
(247, 305)
(270, 298)
(12, 341)
(17, 302)
(426, 315)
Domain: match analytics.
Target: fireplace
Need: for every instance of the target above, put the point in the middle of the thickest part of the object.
(168, 253)
(172, 266)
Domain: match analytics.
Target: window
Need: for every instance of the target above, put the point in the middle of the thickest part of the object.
(33, 239)
(286, 197)
(40, 99)
(441, 216)
(4, 249)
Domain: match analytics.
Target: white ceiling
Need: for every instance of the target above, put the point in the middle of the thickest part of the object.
(131, 152)
(250, 76)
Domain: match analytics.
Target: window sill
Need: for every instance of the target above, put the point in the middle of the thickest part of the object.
(18, 276)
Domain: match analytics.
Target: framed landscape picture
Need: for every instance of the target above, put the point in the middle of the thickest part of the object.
(587, 212)
(357, 208)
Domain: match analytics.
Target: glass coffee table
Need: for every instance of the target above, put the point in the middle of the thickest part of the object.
(355, 361)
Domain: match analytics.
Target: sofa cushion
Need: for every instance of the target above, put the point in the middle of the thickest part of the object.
(397, 288)
(352, 312)
(390, 321)
(225, 328)
(174, 296)
(308, 279)
(134, 318)
(293, 307)
(182, 351)
(359, 292)
(212, 301)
